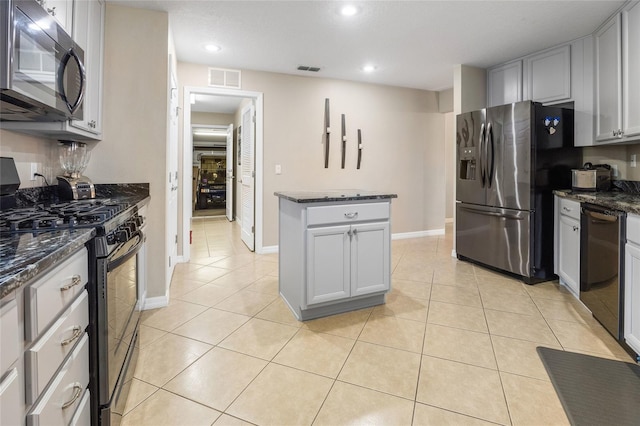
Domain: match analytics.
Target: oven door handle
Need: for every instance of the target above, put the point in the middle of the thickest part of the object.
(115, 263)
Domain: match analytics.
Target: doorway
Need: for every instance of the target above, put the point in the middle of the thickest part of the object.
(213, 162)
(224, 109)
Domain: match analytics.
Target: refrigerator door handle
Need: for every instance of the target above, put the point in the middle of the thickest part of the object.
(491, 165)
(481, 155)
(486, 213)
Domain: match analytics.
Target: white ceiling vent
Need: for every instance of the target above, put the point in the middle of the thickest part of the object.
(221, 77)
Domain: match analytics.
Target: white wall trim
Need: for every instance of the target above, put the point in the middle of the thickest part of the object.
(269, 249)
(448, 220)
(417, 234)
(454, 254)
(156, 302)
(187, 146)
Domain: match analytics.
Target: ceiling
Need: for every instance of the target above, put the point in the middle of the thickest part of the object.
(412, 43)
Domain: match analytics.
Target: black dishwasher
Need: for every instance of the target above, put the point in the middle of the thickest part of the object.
(601, 262)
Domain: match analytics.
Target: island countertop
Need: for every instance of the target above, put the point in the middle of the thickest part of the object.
(333, 195)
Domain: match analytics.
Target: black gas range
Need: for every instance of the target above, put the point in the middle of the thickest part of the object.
(112, 288)
(105, 215)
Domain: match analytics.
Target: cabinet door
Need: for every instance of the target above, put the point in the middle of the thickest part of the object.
(608, 81)
(11, 399)
(370, 258)
(631, 69)
(328, 253)
(61, 10)
(632, 297)
(505, 84)
(549, 75)
(88, 33)
(569, 253)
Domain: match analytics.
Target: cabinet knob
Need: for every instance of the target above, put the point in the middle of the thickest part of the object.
(351, 215)
(575, 228)
(52, 11)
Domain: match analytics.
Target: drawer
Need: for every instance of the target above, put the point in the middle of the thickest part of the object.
(10, 337)
(47, 296)
(82, 417)
(346, 213)
(570, 208)
(633, 228)
(50, 350)
(10, 403)
(61, 399)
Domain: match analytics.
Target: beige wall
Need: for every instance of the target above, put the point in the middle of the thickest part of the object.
(403, 138)
(135, 105)
(25, 149)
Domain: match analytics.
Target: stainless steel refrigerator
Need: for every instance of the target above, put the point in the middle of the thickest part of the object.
(510, 158)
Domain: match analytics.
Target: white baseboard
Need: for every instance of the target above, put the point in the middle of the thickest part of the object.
(269, 250)
(453, 253)
(417, 234)
(156, 302)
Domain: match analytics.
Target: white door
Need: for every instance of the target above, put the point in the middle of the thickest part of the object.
(248, 176)
(632, 297)
(172, 179)
(229, 178)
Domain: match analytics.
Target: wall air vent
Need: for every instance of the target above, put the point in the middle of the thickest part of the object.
(221, 77)
(306, 68)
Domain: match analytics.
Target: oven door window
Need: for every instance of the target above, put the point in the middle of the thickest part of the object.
(122, 297)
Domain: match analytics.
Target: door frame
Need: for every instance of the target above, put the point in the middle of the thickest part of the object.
(187, 141)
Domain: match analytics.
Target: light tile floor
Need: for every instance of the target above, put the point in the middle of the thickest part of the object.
(455, 344)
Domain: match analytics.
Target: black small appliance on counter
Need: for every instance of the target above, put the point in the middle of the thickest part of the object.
(9, 183)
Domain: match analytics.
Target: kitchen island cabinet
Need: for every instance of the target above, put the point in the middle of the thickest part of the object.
(334, 251)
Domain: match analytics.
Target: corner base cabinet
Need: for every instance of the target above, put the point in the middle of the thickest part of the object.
(334, 252)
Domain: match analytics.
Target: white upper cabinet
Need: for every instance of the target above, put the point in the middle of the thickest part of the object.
(61, 10)
(631, 70)
(608, 80)
(548, 75)
(617, 87)
(505, 84)
(88, 33)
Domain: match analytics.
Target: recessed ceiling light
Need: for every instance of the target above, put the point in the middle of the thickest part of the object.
(213, 48)
(369, 68)
(349, 10)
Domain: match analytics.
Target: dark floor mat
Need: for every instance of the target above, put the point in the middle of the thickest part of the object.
(594, 391)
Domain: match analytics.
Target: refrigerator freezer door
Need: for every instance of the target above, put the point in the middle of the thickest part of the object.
(470, 131)
(494, 237)
(510, 150)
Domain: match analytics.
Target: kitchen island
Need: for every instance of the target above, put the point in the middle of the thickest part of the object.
(334, 251)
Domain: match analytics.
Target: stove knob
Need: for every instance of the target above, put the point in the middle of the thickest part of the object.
(123, 235)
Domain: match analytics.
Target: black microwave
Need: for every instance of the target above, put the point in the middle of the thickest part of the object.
(42, 75)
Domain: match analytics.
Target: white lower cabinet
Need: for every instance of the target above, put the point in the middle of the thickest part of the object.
(632, 284)
(45, 369)
(568, 243)
(345, 261)
(334, 257)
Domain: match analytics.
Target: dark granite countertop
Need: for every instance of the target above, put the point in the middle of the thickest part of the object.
(24, 256)
(336, 195)
(624, 201)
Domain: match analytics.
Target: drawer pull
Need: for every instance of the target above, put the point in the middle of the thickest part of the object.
(74, 282)
(77, 332)
(76, 395)
(351, 215)
(566, 209)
